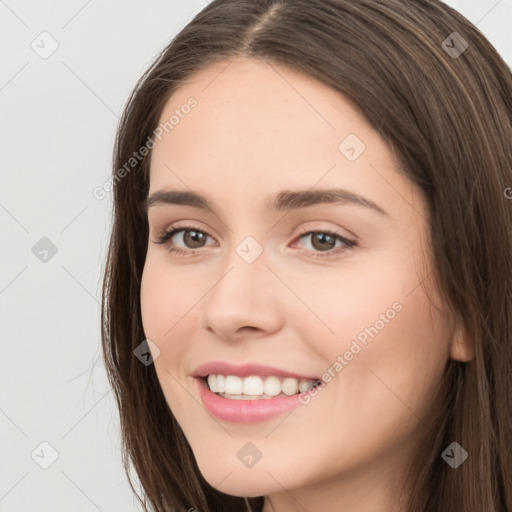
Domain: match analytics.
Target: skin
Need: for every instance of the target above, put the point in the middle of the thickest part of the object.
(259, 129)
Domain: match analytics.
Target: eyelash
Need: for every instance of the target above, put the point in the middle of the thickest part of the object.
(164, 236)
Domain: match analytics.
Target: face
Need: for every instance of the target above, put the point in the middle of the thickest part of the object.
(314, 288)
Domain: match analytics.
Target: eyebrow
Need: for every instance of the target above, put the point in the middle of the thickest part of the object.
(283, 201)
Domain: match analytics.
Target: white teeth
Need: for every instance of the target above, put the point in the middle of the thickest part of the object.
(234, 385)
(272, 386)
(290, 386)
(212, 383)
(254, 387)
(304, 385)
(221, 382)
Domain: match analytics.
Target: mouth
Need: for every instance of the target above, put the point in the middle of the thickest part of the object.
(255, 387)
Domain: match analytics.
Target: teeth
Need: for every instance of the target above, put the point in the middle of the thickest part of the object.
(254, 387)
(251, 386)
(272, 386)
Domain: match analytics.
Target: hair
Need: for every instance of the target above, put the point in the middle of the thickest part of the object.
(449, 119)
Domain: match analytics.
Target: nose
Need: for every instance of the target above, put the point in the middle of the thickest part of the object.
(244, 299)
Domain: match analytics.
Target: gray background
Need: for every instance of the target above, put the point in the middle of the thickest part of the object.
(59, 114)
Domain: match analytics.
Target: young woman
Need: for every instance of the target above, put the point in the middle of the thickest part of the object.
(308, 295)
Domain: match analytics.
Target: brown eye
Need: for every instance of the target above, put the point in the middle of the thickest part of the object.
(193, 239)
(323, 241)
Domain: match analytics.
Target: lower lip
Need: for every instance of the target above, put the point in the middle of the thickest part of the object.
(244, 411)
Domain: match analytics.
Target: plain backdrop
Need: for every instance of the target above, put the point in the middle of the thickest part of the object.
(66, 71)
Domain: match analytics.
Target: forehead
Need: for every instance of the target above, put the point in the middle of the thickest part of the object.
(256, 125)
(253, 98)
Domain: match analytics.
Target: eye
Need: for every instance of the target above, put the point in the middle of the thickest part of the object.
(192, 237)
(324, 242)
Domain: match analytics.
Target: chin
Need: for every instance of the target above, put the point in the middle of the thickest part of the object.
(241, 482)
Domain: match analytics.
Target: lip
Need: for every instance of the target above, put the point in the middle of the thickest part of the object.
(246, 370)
(244, 411)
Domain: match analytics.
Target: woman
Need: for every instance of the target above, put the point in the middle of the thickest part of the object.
(307, 299)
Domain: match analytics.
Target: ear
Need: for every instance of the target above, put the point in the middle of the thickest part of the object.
(461, 348)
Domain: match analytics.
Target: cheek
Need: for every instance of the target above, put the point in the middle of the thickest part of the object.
(392, 344)
(401, 353)
(165, 297)
(168, 317)
(392, 360)
(360, 302)
(167, 302)
(410, 346)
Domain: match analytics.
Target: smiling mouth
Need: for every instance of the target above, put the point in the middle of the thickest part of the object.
(255, 387)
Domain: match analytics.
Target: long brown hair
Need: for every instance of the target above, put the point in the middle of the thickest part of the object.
(446, 109)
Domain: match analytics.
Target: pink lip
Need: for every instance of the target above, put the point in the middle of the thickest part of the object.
(244, 411)
(223, 368)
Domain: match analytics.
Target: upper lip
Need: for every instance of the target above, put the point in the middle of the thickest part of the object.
(245, 370)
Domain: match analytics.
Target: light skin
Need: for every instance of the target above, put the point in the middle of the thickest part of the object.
(259, 129)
